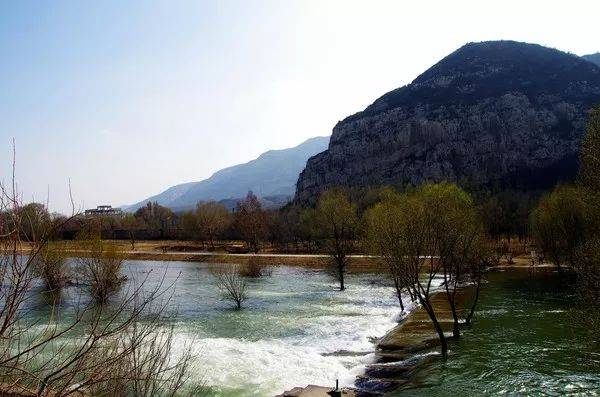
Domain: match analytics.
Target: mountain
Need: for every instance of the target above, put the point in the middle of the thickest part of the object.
(496, 114)
(594, 58)
(271, 176)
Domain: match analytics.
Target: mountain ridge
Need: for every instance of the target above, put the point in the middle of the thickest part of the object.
(499, 112)
(271, 176)
(594, 58)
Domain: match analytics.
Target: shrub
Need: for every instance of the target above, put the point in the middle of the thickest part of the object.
(255, 268)
(52, 267)
(232, 284)
(101, 270)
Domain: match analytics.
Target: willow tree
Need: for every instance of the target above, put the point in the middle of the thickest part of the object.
(558, 224)
(337, 222)
(402, 229)
(385, 238)
(458, 238)
(422, 235)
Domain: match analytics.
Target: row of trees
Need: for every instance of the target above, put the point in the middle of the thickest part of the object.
(566, 221)
(292, 228)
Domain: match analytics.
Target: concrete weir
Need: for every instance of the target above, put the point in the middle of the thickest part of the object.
(403, 350)
(400, 353)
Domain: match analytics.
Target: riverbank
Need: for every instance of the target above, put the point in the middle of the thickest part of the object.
(188, 252)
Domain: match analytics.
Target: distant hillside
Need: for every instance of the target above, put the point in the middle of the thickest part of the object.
(272, 177)
(496, 114)
(594, 58)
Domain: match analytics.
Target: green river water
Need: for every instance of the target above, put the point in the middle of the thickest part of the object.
(528, 339)
(297, 329)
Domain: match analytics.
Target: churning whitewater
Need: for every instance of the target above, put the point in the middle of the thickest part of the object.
(295, 328)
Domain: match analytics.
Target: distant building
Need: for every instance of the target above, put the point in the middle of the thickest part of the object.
(104, 210)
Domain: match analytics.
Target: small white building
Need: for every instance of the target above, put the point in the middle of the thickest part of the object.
(104, 210)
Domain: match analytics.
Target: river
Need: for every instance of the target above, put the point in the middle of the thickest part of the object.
(295, 329)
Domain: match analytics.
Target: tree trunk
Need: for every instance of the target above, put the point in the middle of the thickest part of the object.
(443, 341)
(436, 325)
(399, 293)
(341, 274)
(412, 296)
(455, 329)
(450, 296)
(472, 312)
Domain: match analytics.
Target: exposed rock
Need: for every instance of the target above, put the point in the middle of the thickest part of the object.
(493, 113)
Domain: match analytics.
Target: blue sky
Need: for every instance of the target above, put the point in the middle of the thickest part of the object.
(128, 98)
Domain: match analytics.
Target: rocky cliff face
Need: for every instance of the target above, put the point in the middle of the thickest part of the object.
(490, 113)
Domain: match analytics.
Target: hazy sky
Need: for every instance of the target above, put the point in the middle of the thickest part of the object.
(129, 98)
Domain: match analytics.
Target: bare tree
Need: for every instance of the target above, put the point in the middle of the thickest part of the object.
(150, 368)
(213, 218)
(338, 222)
(232, 284)
(35, 220)
(251, 221)
(506, 251)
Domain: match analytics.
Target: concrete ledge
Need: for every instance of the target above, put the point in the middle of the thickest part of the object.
(314, 391)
